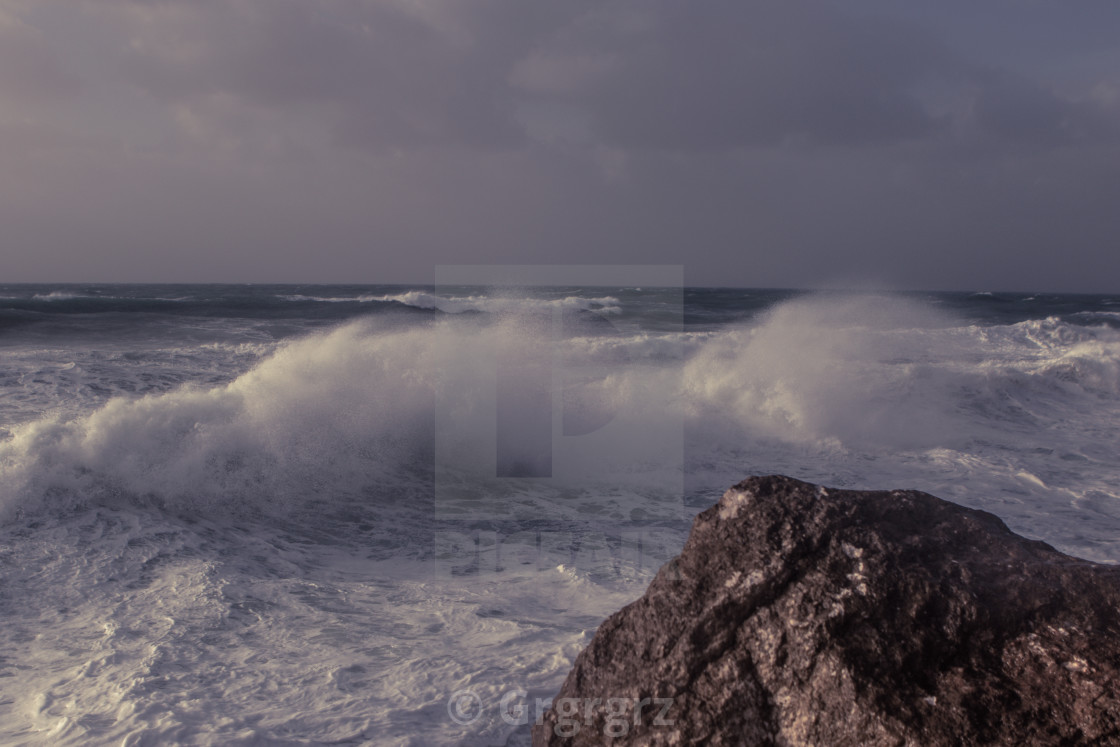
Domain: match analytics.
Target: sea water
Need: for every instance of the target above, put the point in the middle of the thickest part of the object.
(378, 514)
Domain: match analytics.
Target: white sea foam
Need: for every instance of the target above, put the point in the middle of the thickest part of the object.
(887, 372)
(875, 393)
(338, 412)
(270, 641)
(310, 413)
(231, 560)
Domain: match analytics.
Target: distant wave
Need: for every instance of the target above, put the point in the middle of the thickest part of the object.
(61, 296)
(1096, 314)
(460, 304)
(320, 299)
(69, 296)
(463, 304)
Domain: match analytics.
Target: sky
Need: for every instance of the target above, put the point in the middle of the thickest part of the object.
(957, 144)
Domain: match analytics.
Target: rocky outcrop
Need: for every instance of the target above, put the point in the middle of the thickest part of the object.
(809, 616)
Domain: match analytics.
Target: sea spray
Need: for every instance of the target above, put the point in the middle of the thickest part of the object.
(221, 522)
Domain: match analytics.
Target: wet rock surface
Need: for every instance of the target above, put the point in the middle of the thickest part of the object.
(797, 614)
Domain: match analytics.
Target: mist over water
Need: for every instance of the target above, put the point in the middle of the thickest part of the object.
(292, 514)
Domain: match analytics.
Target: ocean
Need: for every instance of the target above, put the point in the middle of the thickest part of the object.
(294, 515)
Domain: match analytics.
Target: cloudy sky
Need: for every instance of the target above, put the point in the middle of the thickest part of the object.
(957, 144)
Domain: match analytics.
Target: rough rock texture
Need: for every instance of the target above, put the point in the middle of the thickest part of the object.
(802, 615)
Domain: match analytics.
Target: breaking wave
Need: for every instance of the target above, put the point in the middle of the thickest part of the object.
(347, 414)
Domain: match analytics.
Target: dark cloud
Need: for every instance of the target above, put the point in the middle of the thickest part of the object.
(726, 74)
(758, 142)
(1016, 111)
(626, 74)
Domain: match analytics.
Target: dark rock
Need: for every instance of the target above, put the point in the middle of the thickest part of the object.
(808, 616)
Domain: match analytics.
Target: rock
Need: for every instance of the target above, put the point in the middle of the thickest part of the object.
(809, 616)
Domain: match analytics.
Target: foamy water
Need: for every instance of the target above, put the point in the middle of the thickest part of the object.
(275, 515)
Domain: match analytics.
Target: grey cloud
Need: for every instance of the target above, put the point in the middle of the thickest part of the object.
(725, 74)
(392, 74)
(1018, 111)
(626, 74)
(29, 68)
(658, 73)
